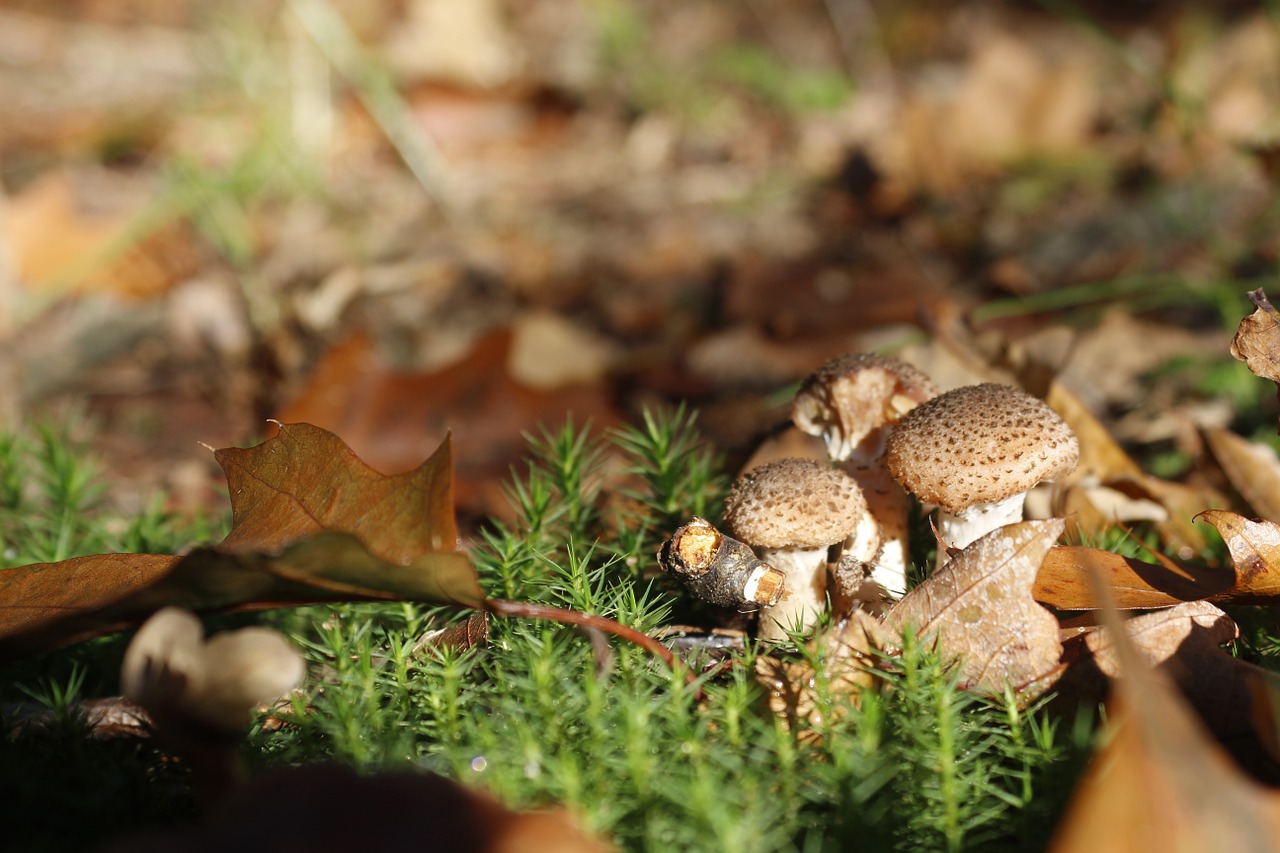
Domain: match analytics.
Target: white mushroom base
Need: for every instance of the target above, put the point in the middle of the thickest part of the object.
(804, 597)
(884, 548)
(958, 530)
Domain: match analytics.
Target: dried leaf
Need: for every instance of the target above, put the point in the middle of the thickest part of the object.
(980, 608)
(1257, 341)
(1185, 643)
(305, 480)
(312, 523)
(1160, 783)
(323, 567)
(1252, 468)
(1063, 580)
(393, 418)
(1255, 554)
(1158, 636)
(460, 636)
(37, 596)
(62, 237)
(1103, 462)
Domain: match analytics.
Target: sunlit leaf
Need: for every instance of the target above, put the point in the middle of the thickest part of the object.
(980, 609)
(1063, 580)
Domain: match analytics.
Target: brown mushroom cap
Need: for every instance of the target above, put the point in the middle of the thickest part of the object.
(977, 444)
(856, 393)
(794, 503)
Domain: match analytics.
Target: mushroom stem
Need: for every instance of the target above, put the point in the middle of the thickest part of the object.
(959, 529)
(888, 505)
(805, 598)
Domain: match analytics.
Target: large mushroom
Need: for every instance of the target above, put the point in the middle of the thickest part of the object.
(975, 452)
(852, 402)
(792, 512)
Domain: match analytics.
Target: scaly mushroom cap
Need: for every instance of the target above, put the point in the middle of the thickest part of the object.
(978, 444)
(850, 396)
(794, 503)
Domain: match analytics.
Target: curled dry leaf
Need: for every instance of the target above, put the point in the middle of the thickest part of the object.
(305, 480)
(1255, 554)
(471, 632)
(1063, 581)
(1257, 341)
(171, 671)
(980, 609)
(1106, 473)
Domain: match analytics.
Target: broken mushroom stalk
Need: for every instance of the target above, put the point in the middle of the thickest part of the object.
(852, 402)
(720, 569)
(792, 512)
(975, 452)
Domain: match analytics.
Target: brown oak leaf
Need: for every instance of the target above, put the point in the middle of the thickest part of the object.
(980, 609)
(311, 523)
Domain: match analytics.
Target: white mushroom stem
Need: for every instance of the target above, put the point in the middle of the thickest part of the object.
(804, 598)
(888, 505)
(958, 530)
(865, 548)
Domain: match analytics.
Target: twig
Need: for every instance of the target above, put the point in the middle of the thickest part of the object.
(525, 610)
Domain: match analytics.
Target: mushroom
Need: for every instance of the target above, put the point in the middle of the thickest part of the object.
(852, 402)
(792, 512)
(975, 452)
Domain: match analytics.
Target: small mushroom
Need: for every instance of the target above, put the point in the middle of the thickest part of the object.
(792, 512)
(975, 452)
(852, 402)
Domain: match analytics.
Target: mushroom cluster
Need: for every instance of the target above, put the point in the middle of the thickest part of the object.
(852, 403)
(838, 531)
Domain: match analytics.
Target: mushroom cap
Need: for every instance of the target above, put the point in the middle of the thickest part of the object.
(794, 503)
(977, 444)
(851, 395)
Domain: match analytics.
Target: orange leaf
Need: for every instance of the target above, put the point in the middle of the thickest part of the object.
(1063, 580)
